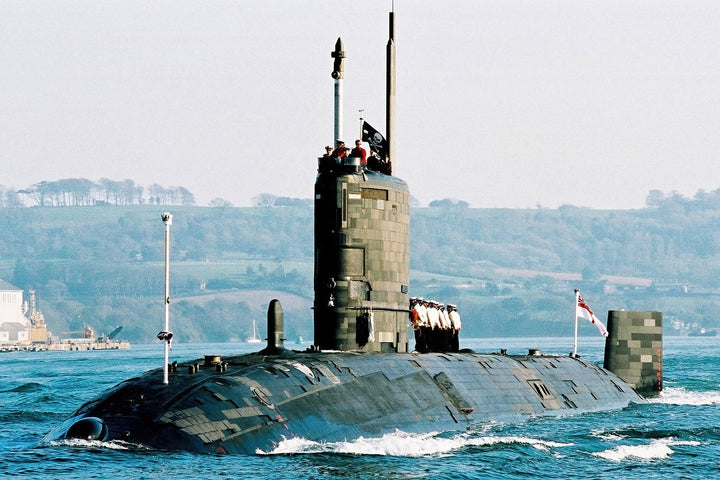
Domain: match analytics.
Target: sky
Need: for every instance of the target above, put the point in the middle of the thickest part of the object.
(513, 104)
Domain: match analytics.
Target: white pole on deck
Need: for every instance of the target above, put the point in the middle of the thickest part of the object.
(575, 307)
(338, 109)
(166, 335)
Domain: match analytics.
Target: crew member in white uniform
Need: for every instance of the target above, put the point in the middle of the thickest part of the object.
(456, 327)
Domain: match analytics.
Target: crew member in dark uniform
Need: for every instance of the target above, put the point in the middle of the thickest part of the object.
(340, 150)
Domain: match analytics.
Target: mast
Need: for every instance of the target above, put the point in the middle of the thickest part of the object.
(390, 91)
(338, 73)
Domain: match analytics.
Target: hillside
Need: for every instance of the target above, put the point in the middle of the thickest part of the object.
(512, 272)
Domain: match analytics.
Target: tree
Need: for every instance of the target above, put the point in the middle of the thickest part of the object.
(9, 198)
(40, 192)
(654, 199)
(158, 193)
(448, 203)
(292, 202)
(186, 198)
(21, 276)
(219, 203)
(12, 199)
(264, 200)
(129, 192)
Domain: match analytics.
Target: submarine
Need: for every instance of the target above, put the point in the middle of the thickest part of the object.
(359, 378)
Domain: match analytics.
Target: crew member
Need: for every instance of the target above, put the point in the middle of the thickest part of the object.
(434, 320)
(374, 162)
(415, 322)
(445, 328)
(340, 150)
(456, 325)
(424, 326)
(359, 152)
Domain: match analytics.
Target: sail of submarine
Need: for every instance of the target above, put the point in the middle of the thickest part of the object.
(351, 383)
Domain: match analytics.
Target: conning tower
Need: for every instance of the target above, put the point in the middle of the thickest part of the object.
(362, 260)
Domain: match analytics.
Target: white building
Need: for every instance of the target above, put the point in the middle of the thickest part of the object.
(14, 326)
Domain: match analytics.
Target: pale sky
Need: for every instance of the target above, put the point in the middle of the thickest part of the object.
(500, 103)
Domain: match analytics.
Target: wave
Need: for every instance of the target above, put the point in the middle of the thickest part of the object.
(22, 416)
(401, 444)
(681, 396)
(657, 449)
(26, 388)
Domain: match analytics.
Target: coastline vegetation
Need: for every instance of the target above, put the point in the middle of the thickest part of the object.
(511, 271)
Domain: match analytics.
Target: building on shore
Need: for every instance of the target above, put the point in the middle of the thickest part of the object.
(23, 327)
(20, 323)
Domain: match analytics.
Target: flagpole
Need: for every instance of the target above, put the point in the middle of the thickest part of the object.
(575, 343)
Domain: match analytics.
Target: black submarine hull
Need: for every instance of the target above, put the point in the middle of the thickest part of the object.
(248, 404)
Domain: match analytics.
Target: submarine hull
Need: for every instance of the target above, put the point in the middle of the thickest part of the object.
(360, 380)
(248, 404)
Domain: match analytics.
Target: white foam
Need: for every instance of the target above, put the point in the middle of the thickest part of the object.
(657, 449)
(403, 444)
(111, 445)
(605, 435)
(681, 396)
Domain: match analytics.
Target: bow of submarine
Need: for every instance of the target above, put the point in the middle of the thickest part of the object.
(146, 412)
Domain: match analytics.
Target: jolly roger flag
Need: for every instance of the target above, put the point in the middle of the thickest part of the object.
(375, 139)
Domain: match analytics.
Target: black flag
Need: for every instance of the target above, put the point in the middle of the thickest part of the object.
(377, 142)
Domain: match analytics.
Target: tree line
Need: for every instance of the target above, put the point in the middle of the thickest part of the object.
(81, 192)
(76, 192)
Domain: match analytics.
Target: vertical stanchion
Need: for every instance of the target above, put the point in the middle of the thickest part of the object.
(166, 334)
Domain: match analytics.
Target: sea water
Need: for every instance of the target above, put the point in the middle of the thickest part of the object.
(676, 435)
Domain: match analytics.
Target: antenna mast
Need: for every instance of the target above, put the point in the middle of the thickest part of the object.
(390, 91)
(338, 73)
